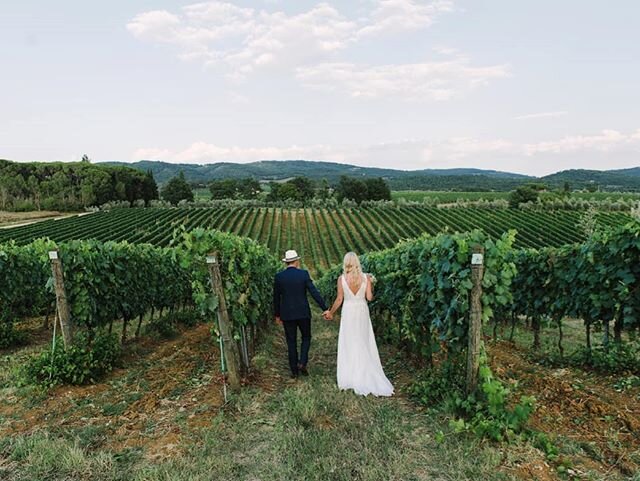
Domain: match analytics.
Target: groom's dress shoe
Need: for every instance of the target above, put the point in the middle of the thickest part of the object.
(294, 375)
(303, 370)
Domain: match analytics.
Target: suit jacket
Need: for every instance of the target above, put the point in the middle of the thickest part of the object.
(290, 294)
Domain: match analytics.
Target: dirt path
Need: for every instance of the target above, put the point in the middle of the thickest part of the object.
(18, 219)
(161, 418)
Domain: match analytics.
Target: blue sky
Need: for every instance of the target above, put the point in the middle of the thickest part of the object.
(525, 86)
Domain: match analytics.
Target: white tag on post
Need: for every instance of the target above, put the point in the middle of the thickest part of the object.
(477, 259)
(53, 255)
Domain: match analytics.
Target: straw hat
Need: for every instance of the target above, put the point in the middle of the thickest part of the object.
(290, 256)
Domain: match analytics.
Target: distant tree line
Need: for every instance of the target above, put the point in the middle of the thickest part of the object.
(300, 189)
(68, 186)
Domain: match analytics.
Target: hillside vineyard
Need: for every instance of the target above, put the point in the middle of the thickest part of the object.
(321, 235)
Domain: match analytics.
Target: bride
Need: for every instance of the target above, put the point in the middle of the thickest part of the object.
(359, 366)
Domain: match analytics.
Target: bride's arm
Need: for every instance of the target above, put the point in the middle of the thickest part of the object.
(369, 292)
(338, 301)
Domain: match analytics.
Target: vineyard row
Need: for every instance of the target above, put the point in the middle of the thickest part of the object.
(321, 235)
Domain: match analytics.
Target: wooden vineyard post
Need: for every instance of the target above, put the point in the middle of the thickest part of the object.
(229, 350)
(475, 319)
(62, 306)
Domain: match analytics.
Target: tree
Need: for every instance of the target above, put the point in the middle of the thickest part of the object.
(377, 189)
(300, 189)
(522, 195)
(150, 188)
(86, 159)
(223, 189)
(323, 191)
(177, 189)
(70, 186)
(249, 188)
(235, 189)
(350, 188)
(303, 187)
(361, 190)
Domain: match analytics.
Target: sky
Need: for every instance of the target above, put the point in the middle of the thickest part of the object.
(527, 86)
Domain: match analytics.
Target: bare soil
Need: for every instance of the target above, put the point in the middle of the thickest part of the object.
(578, 409)
(165, 389)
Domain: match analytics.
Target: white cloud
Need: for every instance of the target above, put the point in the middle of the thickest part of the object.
(541, 115)
(403, 15)
(243, 40)
(606, 141)
(419, 81)
(156, 26)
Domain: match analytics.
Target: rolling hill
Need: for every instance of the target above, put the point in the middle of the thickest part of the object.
(428, 179)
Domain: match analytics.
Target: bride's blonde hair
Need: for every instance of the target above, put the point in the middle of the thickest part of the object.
(351, 268)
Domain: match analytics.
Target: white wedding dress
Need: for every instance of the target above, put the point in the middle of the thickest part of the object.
(359, 366)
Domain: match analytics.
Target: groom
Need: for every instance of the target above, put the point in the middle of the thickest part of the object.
(292, 310)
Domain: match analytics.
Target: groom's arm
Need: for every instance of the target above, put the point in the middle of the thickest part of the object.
(315, 294)
(276, 297)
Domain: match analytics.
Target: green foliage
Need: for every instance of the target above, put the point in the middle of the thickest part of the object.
(82, 363)
(189, 318)
(177, 189)
(371, 227)
(235, 189)
(544, 444)
(299, 189)
(617, 358)
(628, 382)
(24, 272)
(246, 267)
(486, 413)
(522, 195)
(118, 280)
(163, 327)
(435, 385)
(70, 186)
(597, 281)
(359, 190)
(112, 280)
(10, 336)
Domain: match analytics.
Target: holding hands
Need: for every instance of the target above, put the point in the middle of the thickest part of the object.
(327, 316)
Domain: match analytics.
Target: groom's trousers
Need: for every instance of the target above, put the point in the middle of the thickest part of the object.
(291, 333)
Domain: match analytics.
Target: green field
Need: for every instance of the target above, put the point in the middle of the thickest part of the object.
(321, 235)
(448, 196)
(445, 197)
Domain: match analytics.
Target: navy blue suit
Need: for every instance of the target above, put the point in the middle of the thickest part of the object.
(290, 304)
